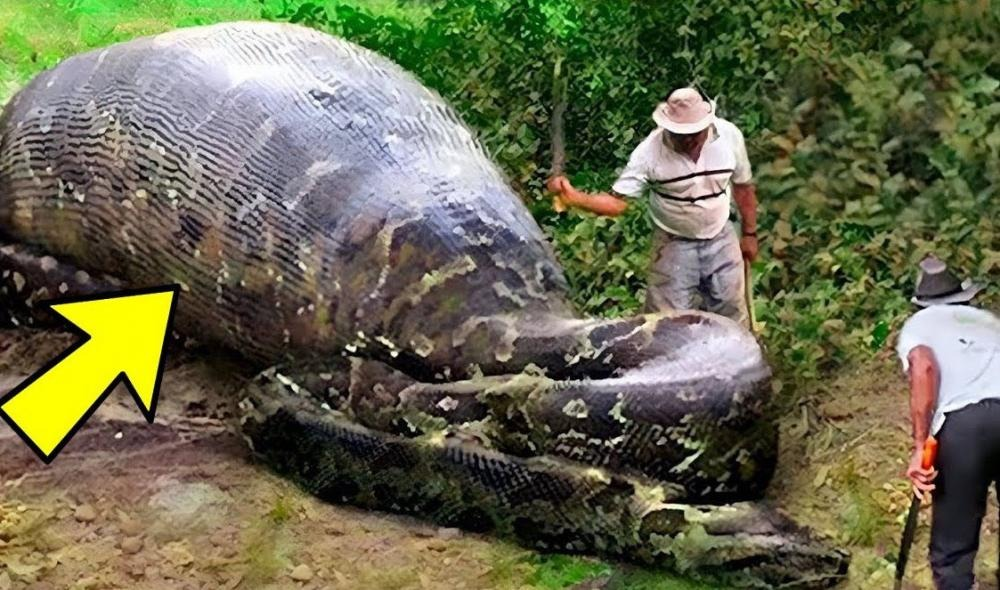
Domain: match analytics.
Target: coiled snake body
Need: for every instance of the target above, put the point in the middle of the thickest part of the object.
(334, 222)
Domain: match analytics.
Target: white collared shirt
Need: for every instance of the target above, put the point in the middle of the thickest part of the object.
(966, 345)
(687, 198)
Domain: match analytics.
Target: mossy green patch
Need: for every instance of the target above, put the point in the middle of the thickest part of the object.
(36, 35)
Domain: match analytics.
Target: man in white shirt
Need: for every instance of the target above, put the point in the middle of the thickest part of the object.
(691, 167)
(951, 352)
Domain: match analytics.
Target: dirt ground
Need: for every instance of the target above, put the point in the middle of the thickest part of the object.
(180, 504)
(841, 470)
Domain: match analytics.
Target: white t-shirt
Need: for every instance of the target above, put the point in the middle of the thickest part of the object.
(688, 199)
(966, 345)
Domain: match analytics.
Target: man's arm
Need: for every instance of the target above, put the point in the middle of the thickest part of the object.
(924, 382)
(631, 182)
(599, 203)
(745, 196)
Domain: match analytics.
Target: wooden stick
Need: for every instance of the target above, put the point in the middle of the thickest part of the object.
(558, 135)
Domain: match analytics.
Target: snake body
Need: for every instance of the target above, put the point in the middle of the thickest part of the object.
(332, 220)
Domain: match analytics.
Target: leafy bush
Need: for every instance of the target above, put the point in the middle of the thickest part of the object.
(873, 128)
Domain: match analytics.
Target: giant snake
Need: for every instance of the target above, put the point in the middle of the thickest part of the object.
(333, 221)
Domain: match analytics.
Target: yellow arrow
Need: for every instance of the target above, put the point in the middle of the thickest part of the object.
(122, 340)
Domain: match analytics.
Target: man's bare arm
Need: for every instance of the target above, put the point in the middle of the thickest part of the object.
(745, 196)
(599, 203)
(924, 381)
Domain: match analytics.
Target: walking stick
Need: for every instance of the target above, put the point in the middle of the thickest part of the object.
(926, 462)
(748, 295)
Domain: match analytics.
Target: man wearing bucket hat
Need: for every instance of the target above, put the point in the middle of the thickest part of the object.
(951, 352)
(692, 166)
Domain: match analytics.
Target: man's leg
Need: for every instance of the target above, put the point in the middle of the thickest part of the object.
(722, 280)
(673, 273)
(995, 462)
(959, 501)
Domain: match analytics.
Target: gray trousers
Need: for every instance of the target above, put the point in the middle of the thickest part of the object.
(683, 268)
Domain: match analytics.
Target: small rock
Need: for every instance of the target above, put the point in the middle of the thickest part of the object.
(130, 527)
(302, 573)
(178, 553)
(190, 505)
(229, 551)
(85, 513)
(131, 545)
(136, 570)
(437, 545)
(448, 533)
(219, 538)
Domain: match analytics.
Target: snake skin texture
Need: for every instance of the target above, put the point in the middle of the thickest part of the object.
(332, 219)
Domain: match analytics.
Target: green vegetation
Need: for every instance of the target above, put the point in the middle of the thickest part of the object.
(264, 544)
(872, 126)
(281, 511)
(862, 520)
(35, 35)
(553, 572)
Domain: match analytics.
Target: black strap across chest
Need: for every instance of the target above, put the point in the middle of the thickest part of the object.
(670, 197)
(665, 195)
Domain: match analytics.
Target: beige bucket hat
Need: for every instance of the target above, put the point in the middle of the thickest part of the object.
(684, 112)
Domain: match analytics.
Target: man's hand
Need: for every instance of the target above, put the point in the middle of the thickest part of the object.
(920, 477)
(557, 184)
(748, 246)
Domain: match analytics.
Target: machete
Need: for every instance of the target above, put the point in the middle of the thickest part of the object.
(558, 142)
(926, 462)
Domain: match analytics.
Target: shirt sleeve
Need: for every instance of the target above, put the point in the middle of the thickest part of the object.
(910, 337)
(743, 173)
(634, 179)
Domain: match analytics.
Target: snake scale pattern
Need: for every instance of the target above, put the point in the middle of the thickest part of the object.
(333, 221)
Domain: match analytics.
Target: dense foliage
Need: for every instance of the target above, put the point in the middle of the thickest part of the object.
(873, 128)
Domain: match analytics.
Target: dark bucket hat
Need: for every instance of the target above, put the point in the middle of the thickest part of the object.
(936, 285)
